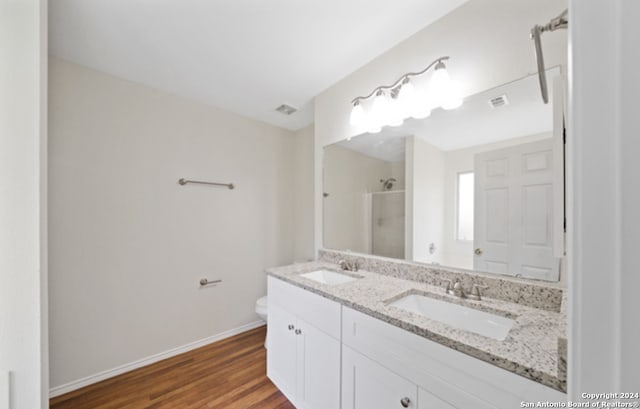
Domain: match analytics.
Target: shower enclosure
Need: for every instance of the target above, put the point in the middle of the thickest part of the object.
(387, 223)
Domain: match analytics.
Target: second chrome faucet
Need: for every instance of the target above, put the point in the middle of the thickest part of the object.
(455, 288)
(348, 265)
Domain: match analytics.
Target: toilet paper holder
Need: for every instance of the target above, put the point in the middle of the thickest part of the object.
(205, 281)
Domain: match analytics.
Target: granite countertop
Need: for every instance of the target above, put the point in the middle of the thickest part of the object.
(531, 349)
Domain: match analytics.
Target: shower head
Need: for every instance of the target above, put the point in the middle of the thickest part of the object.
(387, 184)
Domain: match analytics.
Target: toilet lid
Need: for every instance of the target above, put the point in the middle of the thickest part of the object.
(262, 302)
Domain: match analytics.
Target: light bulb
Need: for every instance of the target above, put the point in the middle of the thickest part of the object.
(453, 97)
(380, 111)
(371, 122)
(372, 125)
(439, 84)
(396, 116)
(357, 117)
(423, 105)
(423, 109)
(408, 100)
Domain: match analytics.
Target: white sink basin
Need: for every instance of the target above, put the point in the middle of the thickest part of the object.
(468, 319)
(328, 277)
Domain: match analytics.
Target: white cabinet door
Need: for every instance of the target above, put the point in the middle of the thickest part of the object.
(367, 385)
(428, 400)
(318, 368)
(514, 219)
(281, 355)
(303, 361)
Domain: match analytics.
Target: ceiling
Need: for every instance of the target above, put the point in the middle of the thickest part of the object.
(386, 146)
(475, 123)
(245, 56)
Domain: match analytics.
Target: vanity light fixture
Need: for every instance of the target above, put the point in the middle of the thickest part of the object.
(392, 104)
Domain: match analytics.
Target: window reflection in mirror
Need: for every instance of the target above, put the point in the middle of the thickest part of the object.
(465, 206)
(473, 188)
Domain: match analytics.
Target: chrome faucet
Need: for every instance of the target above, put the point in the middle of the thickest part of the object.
(475, 291)
(449, 288)
(458, 291)
(348, 265)
(455, 288)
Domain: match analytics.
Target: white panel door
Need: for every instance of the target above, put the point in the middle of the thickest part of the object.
(281, 355)
(514, 212)
(491, 212)
(318, 383)
(367, 385)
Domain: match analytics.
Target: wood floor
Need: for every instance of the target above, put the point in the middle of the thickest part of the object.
(227, 374)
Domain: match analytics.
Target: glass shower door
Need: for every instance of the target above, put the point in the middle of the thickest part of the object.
(387, 219)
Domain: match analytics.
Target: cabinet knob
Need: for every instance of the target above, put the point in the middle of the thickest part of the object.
(298, 331)
(478, 251)
(405, 402)
(290, 327)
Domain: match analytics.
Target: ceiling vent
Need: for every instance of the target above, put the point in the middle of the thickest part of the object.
(286, 109)
(499, 101)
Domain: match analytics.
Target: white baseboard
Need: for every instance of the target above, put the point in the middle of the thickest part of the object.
(110, 373)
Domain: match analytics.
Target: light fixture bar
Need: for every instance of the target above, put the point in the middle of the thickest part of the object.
(390, 105)
(400, 80)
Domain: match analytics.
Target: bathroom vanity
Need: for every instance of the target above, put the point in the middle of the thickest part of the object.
(366, 340)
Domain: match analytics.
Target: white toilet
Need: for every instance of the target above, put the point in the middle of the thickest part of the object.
(261, 310)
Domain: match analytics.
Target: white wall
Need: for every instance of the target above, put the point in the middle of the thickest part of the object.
(629, 171)
(303, 200)
(23, 272)
(348, 177)
(603, 221)
(501, 51)
(128, 245)
(398, 172)
(425, 200)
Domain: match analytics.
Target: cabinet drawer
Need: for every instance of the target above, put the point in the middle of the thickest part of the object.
(458, 379)
(316, 310)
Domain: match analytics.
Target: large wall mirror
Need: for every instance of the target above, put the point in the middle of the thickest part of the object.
(480, 187)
